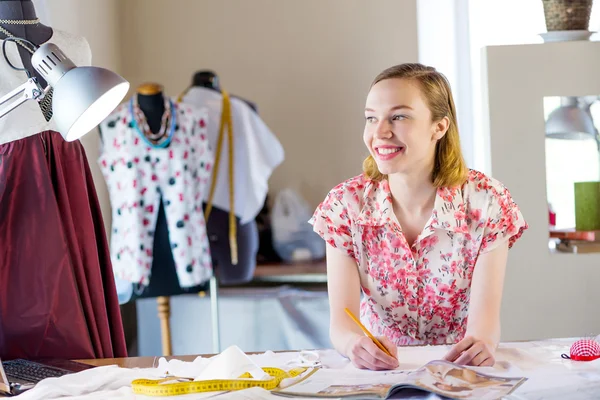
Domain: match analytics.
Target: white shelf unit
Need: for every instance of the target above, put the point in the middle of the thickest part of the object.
(546, 294)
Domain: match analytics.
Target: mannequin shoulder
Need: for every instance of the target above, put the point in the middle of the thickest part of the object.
(193, 111)
(75, 47)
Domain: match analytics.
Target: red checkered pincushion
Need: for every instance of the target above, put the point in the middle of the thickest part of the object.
(584, 350)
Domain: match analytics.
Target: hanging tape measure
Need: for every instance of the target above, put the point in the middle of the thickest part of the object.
(156, 387)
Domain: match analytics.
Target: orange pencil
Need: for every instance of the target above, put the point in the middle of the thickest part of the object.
(366, 331)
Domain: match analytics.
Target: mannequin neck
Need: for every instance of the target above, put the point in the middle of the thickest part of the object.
(206, 79)
(153, 107)
(24, 10)
(17, 9)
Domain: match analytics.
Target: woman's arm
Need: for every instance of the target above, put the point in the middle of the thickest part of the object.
(486, 295)
(483, 326)
(343, 284)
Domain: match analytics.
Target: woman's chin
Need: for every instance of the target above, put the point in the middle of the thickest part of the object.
(386, 169)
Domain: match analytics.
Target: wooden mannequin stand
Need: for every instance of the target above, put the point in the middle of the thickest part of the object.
(163, 304)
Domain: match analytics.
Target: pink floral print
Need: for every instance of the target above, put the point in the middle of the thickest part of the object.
(420, 294)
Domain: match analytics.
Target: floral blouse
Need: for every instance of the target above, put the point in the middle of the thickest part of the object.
(418, 295)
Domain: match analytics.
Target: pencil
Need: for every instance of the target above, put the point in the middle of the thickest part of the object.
(366, 331)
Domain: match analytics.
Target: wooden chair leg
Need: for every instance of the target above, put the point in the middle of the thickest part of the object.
(164, 314)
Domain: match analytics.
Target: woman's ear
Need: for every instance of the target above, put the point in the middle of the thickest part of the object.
(440, 128)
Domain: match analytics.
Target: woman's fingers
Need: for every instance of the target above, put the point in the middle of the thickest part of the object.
(468, 355)
(391, 347)
(370, 362)
(459, 348)
(471, 351)
(366, 354)
(382, 358)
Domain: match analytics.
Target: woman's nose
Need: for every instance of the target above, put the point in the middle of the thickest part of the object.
(383, 130)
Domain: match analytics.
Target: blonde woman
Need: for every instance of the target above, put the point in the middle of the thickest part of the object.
(418, 243)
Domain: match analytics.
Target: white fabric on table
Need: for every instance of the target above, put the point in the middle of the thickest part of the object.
(549, 376)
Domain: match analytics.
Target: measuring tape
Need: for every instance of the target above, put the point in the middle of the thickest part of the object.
(156, 387)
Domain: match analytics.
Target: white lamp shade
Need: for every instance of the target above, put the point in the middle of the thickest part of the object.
(84, 97)
(570, 122)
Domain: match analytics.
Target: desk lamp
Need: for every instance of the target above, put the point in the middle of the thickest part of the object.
(571, 121)
(83, 96)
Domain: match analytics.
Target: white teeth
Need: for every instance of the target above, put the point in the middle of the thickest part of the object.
(387, 151)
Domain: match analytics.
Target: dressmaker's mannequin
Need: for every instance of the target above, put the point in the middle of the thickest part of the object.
(266, 253)
(52, 240)
(218, 221)
(156, 161)
(164, 280)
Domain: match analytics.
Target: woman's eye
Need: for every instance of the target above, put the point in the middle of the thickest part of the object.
(370, 119)
(398, 117)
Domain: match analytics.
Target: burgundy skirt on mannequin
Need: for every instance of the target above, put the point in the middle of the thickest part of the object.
(57, 291)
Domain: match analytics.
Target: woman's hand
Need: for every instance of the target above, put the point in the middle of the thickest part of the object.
(472, 351)
(365, 354)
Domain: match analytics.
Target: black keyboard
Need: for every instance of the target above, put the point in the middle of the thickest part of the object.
(30, 371)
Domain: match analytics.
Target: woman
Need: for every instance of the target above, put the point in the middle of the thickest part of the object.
(423, 237)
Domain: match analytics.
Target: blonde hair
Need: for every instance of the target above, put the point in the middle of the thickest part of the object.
(450, 169)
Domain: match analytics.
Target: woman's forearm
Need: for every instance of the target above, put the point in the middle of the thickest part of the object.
(487, 330)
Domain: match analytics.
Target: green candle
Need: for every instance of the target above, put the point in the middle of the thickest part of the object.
(587, 206)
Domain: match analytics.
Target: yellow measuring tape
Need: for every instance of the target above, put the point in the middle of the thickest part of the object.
(226, 120)
(156, 387)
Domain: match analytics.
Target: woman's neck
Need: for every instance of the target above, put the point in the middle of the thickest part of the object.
(413, 192)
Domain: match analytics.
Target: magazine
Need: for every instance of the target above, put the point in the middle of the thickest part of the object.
(440, 377)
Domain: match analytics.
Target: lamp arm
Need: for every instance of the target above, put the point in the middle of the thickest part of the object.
(30, 90)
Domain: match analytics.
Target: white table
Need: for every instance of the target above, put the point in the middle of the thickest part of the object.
(549, 376)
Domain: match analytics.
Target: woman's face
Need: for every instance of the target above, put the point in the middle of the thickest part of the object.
(399, 132)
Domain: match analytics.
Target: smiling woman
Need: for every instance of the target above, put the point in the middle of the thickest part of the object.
(423, 237)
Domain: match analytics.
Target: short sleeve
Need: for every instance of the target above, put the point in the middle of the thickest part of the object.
(505, 221)
(332, 222)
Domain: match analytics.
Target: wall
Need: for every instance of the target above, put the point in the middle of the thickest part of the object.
(546, 295)
(307, 64)
(97, 21)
